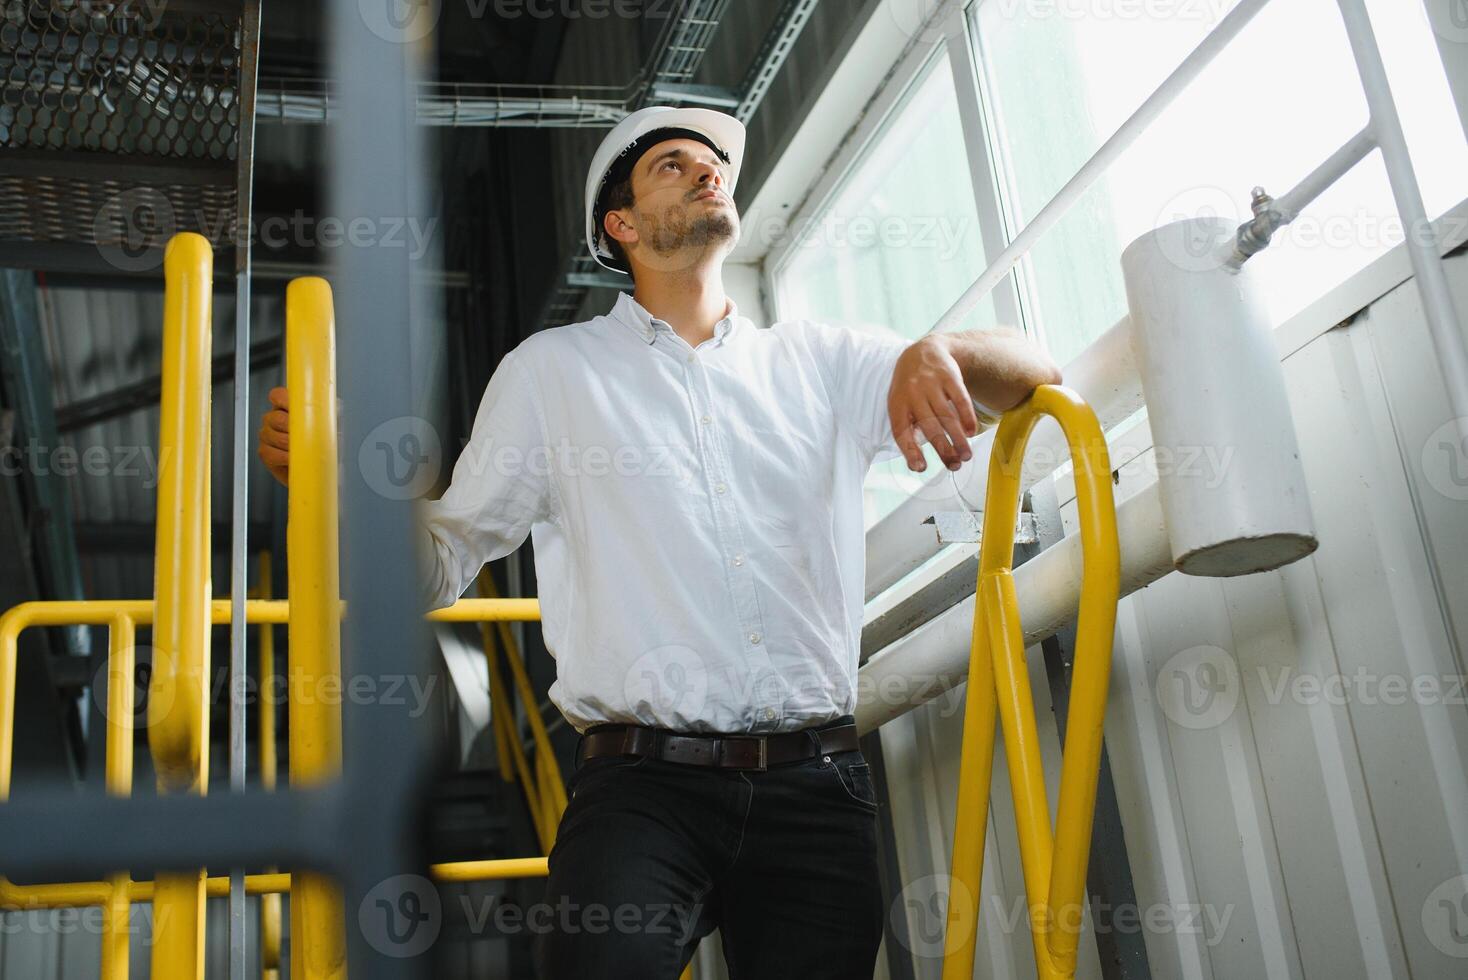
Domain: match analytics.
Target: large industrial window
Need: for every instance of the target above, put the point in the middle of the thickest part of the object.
(1275, 104)
(895, 244)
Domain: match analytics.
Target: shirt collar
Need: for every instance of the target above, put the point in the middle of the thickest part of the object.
(646, 326)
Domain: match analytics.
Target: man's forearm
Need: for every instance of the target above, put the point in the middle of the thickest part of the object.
(1001, 366)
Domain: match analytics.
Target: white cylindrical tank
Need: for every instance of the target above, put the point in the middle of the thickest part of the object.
(1233, 491)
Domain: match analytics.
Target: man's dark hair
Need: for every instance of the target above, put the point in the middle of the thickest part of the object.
(615, 197)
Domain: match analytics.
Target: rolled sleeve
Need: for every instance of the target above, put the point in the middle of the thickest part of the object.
(501, 485)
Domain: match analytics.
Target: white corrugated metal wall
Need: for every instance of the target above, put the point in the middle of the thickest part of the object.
(67, 943)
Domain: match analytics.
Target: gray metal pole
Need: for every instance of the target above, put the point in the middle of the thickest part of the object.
(239, 533)
(375, 154)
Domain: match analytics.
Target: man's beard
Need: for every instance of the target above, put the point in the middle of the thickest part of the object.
(674, 231)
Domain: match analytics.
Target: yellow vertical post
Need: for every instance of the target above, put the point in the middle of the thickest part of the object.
(269, 903)
(549, 812)
(500, 703)
(117, 913)
(1075, 810)
(975, 770)
(318, 931)
(178, 703)
(502, 727)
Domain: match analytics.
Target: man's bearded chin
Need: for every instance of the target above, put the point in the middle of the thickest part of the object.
(676, 231)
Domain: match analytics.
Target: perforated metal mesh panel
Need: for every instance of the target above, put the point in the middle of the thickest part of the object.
(119, 125)
(125, 78)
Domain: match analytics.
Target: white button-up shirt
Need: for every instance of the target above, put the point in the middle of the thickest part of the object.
(696, 513)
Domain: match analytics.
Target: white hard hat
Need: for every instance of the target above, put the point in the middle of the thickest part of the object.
(725, 132)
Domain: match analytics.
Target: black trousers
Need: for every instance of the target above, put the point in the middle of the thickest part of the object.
(651, 856)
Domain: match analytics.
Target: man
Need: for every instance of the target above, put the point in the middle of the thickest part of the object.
(694, 488)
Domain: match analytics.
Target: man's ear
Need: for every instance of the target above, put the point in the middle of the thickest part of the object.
(618, 228)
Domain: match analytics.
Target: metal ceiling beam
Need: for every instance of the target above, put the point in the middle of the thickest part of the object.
(600, 279)
(777, 46)
(146, 393)
(312, 101)
(690, 94)
(684, 44)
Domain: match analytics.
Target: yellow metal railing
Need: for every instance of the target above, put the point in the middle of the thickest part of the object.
(270, 910)
(1054, 863)
(318, 931)
(178, 723)
(545, 790)
(122, 617)
(181, 615)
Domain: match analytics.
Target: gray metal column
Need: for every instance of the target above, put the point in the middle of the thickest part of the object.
(239, 554)
(376, 152)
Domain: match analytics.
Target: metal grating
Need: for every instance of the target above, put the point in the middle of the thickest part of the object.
(117, 216)
(119, 126)
(119, 78)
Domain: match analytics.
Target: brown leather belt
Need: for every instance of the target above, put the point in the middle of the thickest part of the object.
(731, 751)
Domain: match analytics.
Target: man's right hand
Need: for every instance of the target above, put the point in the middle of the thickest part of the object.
(275, 437)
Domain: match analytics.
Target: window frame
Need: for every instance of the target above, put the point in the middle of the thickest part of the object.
(949, 38)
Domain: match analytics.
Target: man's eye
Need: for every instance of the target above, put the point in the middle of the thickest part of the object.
(670, 163)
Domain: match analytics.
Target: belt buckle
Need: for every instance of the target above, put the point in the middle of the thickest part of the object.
(763, 749)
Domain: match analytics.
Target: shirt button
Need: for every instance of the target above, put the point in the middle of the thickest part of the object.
(754, 638)
(705, 420)
(719, 488)
(769, 714)
(739, 559)
(690, 358)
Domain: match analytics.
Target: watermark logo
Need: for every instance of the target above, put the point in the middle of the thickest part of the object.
(1451, 22)
(920, 912)
(132, 227)
(400, 21)
(1198, 247)
(121, 461)
(923, 20)
(401, 458)
(670, 680)
(1199, 687)
(1445, 917)
(142, 676)
(1445, 459)
(136, 15)
(401, 917)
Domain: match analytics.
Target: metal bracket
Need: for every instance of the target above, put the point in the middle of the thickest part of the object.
(965, 527)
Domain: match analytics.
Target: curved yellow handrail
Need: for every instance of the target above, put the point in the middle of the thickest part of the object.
(1054, 865)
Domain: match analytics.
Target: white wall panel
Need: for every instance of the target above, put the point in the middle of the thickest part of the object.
(1290, 749)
